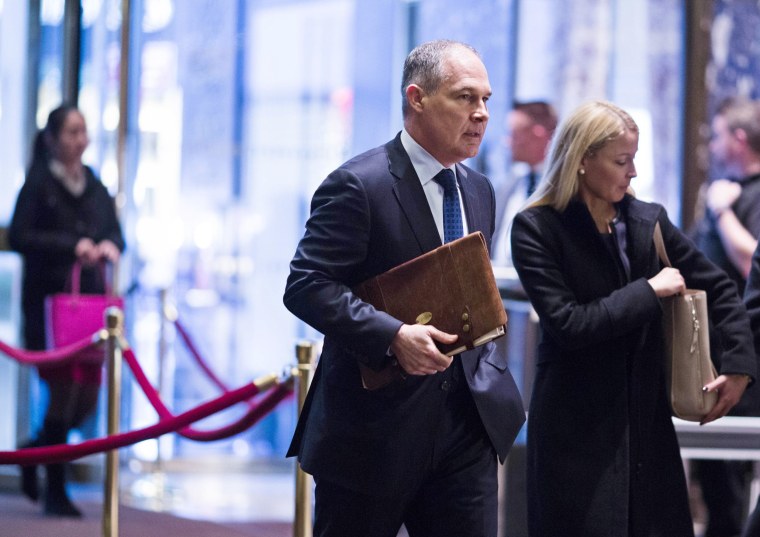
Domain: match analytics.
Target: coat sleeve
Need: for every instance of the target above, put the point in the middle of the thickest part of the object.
(537, 255)
(327, 259)
(111, 227)
(727, 313)
(25, 235)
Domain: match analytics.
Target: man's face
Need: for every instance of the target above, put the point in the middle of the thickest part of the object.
(724, 146)
(451, 122)
(527, 140)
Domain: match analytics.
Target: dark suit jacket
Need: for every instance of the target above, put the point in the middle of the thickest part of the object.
(368, 216)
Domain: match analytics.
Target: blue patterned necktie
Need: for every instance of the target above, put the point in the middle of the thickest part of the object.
(452, 212)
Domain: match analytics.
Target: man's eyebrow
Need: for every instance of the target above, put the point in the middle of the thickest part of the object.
(471, 89)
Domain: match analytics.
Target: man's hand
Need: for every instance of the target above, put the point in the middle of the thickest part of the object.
(721, 194)
(415, 350)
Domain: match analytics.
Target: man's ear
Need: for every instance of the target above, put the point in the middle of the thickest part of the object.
(415, 96)
(539, 131)
(741, 135)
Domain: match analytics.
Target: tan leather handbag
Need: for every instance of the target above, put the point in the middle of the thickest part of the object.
(687, 348)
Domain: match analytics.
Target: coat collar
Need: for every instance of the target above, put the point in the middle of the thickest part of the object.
(640, 218)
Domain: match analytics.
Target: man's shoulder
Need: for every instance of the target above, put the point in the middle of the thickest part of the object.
(750, 189)
(369, 158)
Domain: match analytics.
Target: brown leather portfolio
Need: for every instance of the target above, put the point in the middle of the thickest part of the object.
(452, 288)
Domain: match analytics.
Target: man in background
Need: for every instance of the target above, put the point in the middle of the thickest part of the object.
(530, 125)
(727, 233)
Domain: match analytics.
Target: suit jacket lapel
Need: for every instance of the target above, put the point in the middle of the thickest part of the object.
(411, 197)
(472, 209)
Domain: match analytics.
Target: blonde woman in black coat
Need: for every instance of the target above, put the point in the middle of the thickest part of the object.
(603, 458)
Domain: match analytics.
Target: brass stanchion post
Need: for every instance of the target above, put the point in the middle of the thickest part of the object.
(114, 325)
(305, 352)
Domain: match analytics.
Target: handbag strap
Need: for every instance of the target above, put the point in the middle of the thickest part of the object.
(76, 277)
(659, 245)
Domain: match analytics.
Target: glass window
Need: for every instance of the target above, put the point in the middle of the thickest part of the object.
(233, 138)
(631, 53)
(13, 23)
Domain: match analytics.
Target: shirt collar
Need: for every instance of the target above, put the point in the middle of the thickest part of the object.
(424, 163)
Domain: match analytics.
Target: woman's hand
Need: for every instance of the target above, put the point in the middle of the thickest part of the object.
(729, 389)
(86, 252)
(108, 251)
(668, 282)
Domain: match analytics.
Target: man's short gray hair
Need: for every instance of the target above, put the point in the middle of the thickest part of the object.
(424, 66)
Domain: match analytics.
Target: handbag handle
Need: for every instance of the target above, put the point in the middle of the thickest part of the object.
(659, 245)
(76, 277)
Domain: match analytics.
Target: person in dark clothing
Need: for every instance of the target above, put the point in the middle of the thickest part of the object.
(421, 451)
(63, 214)
(603, 457)
(752, 301)
(727, 234)
(531, 125)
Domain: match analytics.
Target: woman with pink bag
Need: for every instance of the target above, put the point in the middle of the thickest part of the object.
(63, 215)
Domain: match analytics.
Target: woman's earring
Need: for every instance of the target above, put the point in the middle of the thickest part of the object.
(582, 171)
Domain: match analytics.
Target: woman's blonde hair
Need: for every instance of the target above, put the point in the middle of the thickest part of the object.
(587, 130)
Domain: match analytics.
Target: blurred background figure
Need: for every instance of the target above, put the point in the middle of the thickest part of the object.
(530, 126)
(727, 233)
(63, 214)
(752, 301)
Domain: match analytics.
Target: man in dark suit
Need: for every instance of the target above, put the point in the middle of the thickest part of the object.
(422, 451)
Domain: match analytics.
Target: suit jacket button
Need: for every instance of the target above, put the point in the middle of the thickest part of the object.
(445, 385)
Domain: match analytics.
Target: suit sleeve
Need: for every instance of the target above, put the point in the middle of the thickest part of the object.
(326, 263)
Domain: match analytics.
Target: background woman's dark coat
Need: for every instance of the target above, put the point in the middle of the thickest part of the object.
(47, 223)
(602, 451)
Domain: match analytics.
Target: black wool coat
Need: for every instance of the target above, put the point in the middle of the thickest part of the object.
(603, 457)
(47, 223)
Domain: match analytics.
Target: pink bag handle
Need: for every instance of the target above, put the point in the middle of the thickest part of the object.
(76, 276)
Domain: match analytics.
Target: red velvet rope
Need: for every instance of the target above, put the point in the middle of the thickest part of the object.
(168, 421)
(248, 419)
(68, 452)
(59, 356)
(197, 356)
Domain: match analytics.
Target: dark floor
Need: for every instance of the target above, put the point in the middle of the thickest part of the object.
(21, 518)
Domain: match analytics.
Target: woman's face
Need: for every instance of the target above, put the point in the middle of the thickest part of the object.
(608, 172)
(72, 140)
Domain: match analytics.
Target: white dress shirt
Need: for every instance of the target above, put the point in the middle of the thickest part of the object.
(428, 167)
